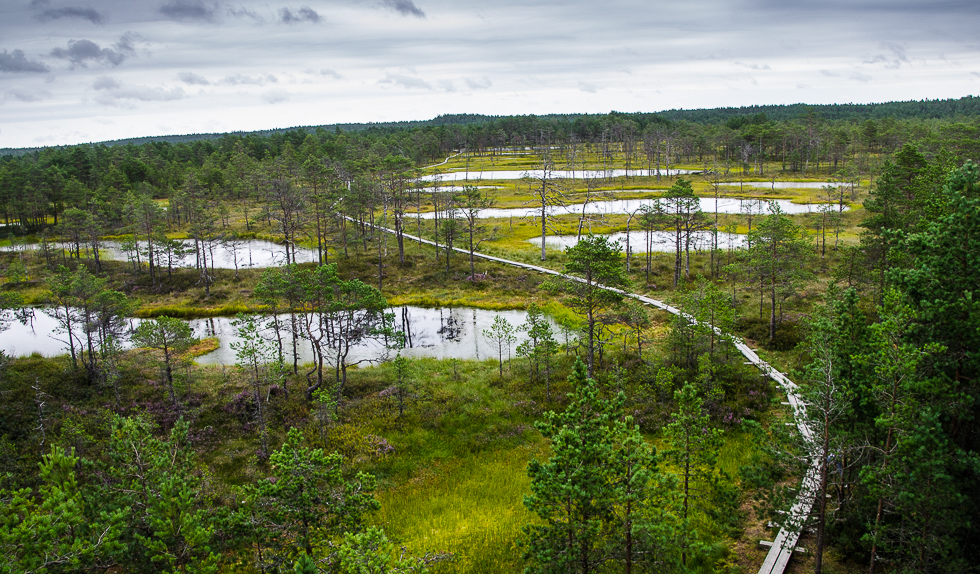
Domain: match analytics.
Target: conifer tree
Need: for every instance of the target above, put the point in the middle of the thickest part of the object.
(595, 493)
(570, 492)
(693, 447)
(307, 504)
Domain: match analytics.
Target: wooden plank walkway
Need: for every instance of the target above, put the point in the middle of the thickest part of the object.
(789, 534)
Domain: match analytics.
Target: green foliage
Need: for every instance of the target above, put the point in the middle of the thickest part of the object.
(907, 196)
(90, 313)
(305, 565)
(405, 383)
(370, 552)
(55, 529)
(306, 505)
(942, 282)
(592, 511)
(595, 262)
(146, 512)
(777, 261)
(172, 337)
(540, 346)
(501, 335)
(348, 310)
(257, 357)
(711, 309)
(693, 448)
(155, 484)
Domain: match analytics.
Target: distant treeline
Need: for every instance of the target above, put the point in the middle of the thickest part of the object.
(584, 126)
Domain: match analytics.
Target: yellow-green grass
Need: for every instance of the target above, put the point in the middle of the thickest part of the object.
(735, 452)
(203, 347)
(472, 507)
(189, 312)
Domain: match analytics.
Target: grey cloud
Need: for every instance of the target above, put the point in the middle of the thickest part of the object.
(16, 61)
(858, 77)
(275, 96)
(80, 51)
(406, 82)
(304, 14)
(404, 7)
(193, 79)
(754, 66)
(38, 4)
(127, 42)
(243, 12)
(89, 14)
(328, 72)
(105, 83)
(802, 86)
(587, 87)
(975, 74)
(896, 59)
(23, 95)
(478, 84)
(829, 74)
(447, 85)
(188, 10)
(240, 80)
(113, 93)
(876, 7)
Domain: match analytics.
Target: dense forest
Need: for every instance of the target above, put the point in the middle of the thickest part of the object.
(590, 433)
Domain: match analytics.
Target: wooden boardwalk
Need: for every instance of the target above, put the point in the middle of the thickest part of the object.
(789, 534)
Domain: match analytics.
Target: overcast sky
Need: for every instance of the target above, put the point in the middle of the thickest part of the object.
(74, 71)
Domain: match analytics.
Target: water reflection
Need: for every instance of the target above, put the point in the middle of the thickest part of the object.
(781, 184)
(252, 253)
(557, 174)
(29, 331)
(627, 206)
(660, 241)
(440, 332)
(245, 253)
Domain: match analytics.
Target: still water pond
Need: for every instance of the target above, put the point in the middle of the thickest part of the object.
(252, 253)
(558, 173)
(660, 241)
(626, 206)
(441, 333)
(780, 184)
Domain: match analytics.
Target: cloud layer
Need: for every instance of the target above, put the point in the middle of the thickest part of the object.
(79, 70)
(70, 12)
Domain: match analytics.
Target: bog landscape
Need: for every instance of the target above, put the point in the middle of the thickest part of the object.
(714, 341)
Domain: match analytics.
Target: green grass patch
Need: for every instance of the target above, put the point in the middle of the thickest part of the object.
(472, 507)
(187, 312)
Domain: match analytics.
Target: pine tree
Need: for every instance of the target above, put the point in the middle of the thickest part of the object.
(170, 336)
(570, 492)
(595, 263)
(693, 447)
(540, 346)
(307, 504)
(501, 335)
(595, 494)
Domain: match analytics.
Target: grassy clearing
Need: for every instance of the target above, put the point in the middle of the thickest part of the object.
(472, 507)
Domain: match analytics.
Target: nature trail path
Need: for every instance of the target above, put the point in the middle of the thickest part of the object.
(443, 162)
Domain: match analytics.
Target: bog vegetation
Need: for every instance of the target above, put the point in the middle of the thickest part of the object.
(599, 436)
